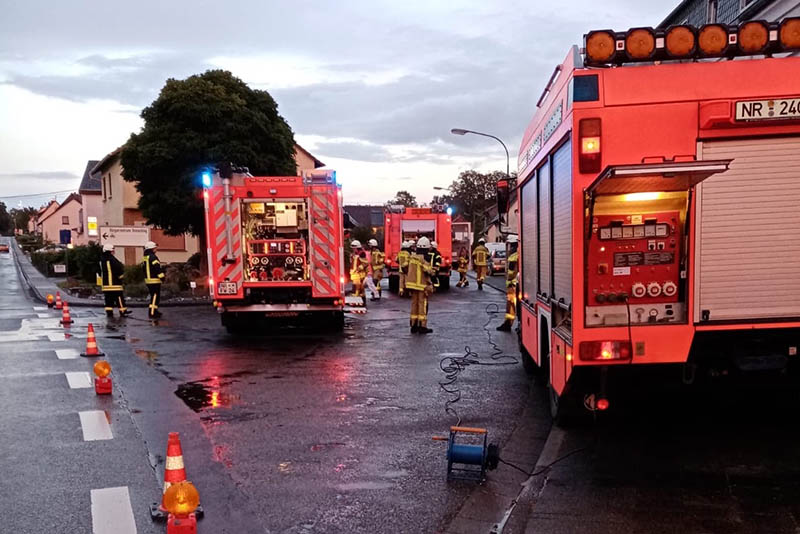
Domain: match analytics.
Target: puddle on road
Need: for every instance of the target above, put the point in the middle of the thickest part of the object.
(150, 356)
(206, 394)
(365, 485)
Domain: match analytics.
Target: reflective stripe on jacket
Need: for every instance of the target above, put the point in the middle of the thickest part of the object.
(463, 264)
(480, 255)
(402, 259)
(153, 273)
(512, 269)
(113, 271)
(378, 259)
(419, 273)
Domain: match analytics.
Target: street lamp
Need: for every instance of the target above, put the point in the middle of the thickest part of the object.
(461, 131)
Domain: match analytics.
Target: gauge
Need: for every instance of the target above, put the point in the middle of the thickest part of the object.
(638, 231)
(290, 261)
(662, 230)
(627, 232)
(650, 230)
(616, 232)
(605, 233)
(254, 261)
(298, 260)
(265, 260)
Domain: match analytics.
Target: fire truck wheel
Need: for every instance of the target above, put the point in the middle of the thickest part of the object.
(337, 322)
(394, 283)
(561, 409)
(444, 282)
(528, 365)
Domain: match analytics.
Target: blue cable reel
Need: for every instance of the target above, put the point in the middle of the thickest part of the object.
(470, 461)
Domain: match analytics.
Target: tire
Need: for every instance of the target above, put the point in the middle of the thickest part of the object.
(528, 365)
(394, 283)
(444, 282)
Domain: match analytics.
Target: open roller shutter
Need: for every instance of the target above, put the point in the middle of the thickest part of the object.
(528, 238)
(748, 238)
(545, 242)
(562, 223)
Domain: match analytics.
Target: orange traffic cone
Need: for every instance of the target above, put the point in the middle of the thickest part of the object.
(59, 304)
(91, 344)
(174, 472)
(66, 320)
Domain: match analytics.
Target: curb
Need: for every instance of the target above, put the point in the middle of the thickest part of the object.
(82, 303)
(503, 291)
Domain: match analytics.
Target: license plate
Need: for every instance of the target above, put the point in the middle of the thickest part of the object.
(759, 110)
(226, 288)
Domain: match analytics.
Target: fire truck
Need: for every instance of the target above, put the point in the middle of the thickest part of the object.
(659, 224)
(275, 246)
(403, 224)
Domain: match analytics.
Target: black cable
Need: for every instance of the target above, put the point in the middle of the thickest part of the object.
(544, 467)
(452, 366)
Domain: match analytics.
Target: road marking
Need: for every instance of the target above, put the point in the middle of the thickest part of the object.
(112, 512)
(43, 315)
(40, 308)
(56, 337)
(79, 380)
(66, 354)
(95, 425)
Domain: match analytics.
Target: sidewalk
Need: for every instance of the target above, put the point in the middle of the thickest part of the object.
(41, 286)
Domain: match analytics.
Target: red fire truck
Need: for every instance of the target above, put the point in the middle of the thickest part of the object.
(403, 224)
(659, 224)
(274, 246)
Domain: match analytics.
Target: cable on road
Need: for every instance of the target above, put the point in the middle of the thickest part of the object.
(543, 468)
(452, 366)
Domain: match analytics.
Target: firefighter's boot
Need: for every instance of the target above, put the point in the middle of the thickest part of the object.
(480, 285)
(424, 330)
(505, 327)
(109, 313)
(414, 328)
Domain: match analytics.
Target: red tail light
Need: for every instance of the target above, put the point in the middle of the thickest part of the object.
(590, 158)
(592, 351)
(602, 404)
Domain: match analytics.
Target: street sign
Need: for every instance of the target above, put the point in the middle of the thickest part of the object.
(124, 236)
(59, 268)
(92, 226)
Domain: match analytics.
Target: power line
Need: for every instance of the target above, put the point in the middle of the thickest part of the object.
(47, 193)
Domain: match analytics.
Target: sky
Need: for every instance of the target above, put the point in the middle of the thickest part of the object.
(371, 88)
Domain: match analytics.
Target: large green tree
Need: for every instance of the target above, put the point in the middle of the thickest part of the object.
(6, 222)
(404, 198)
(205, 119)
(22, 216)
(473, 192)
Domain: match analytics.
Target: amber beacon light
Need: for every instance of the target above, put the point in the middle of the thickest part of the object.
(750, 38)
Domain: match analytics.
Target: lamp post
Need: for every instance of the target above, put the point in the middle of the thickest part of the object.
(461, 131)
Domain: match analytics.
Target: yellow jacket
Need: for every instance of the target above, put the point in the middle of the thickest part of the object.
(419, 273)
(512, 268)
(480, 256)
(402, 259)
(378, 259)
(463, 264)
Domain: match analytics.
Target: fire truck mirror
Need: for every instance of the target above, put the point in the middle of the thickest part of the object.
(502, 196)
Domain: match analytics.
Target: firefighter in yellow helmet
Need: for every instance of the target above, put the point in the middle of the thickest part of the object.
(480, 261)
(153, 275)
(463, 266)
(402, 263)
(112, 272)
(418, 284)
(358, 269)
(377, 264)
(512, 269)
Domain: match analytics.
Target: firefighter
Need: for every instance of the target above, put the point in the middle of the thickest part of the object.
(463, 266)
(435, 259)
(480, 259)
(112, 272)
(512, 269)
(358, 269)
(377, 263)
(418, 284)
(153, 276)
(402, 263)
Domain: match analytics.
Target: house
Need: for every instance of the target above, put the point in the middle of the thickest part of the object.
(699, 12)
(65, 218)
(41, 215)
(367, 217)
(92, 201)
(305, 160)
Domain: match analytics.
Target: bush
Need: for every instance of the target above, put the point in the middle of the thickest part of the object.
(83, 262)
(30, 242)
(138, 289)
(134, 274)
(44, 260)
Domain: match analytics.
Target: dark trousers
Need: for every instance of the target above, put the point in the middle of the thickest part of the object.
(114, 298)
(155, 299)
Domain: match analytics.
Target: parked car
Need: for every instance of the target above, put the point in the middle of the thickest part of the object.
(3, 248)
(51, 248)
(497, 263)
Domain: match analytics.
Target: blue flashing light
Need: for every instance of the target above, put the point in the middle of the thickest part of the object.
(449, 210)
(206, 177)
(333, 178)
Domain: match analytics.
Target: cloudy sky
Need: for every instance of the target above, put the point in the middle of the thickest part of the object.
(372, 88)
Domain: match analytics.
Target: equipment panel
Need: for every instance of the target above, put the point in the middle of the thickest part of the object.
(272, 260)
(634, 258)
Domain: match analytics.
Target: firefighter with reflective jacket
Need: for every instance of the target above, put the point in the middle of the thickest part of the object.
(112, 272)
(463, 266)
(480, 261)
(418, 284)
(377, 264)
(153, 275)
(512, 269)
(402, 263)
(358, 268)
(435, 259)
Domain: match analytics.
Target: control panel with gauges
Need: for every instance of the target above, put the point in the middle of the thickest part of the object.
(634, 261)
(271, 260)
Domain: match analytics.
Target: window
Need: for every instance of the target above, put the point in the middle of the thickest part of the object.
(104, 187)
(109, 185)
(65, 219)
(744, 3)
(712, 11)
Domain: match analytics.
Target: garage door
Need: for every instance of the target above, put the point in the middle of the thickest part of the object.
(748, 234)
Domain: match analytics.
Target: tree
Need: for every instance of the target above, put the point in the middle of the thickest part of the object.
(22, 216)
(203, 120)
(472, 193)
(404, 198)
(6, 222)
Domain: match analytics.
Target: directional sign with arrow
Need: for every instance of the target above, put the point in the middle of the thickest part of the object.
(125, 236)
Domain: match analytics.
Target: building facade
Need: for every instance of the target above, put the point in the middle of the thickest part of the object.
(699, 12)
(65, 218)
(92, 205)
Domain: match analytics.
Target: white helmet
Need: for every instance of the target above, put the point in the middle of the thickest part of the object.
(355, 243)
(513, 238)
(411, 243)
(149, 245)
(481, 240)
(373, 242)
(434, 244)
(108, 247)
(423, 242)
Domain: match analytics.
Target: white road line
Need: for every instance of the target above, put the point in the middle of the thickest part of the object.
(112, 512)
(95, 425)
(79, 380)
(40, 308)
(56, 337)
(43, 315)
(67, 354)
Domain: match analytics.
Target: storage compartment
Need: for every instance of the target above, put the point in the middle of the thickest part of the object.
(276, 241)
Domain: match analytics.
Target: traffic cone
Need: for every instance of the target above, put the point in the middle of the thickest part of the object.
(59, 304)
(91, 344)
(174, 472)
(66, 320)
